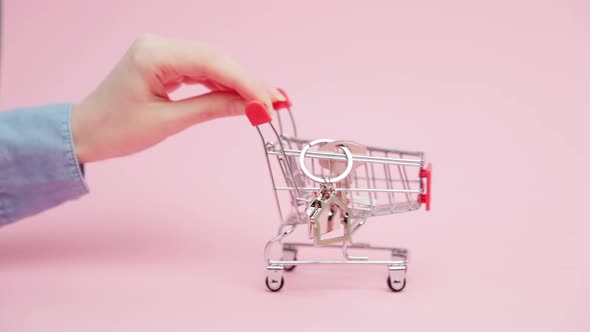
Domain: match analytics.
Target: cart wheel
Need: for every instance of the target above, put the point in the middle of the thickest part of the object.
(275, 286)
(289, 255)
(289, 268)
(396, 286)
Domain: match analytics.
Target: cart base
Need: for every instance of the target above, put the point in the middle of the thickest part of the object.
(397, 267)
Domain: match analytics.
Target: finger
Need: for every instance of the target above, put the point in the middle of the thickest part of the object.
(214, 86)
(171, 87)
(276, 95)
(200, 61)
(187, 112)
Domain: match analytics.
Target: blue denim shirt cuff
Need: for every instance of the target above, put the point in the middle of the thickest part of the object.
(38, 164)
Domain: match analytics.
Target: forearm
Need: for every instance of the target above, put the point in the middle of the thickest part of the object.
(38, 164)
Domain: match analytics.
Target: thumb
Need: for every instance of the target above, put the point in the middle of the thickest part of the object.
(209, 106)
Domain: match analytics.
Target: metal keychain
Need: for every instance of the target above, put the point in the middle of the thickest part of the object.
(326, 214)
(327, 211)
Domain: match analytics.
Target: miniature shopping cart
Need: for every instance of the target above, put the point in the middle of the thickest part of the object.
(333, 188)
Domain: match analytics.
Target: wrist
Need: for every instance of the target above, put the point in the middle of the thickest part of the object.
(78, 135)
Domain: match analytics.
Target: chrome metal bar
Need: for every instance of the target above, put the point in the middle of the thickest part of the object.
(280, 124)
(388, 184)
(369, 185)
(348, 257)
(404, 177)
(354, 245)
(283, 165)
(292, 122)
(355, 179)
(272, 241)
(272, 178)
(373, 195)
(353, 262)
(285, 155)
(375, 148)
(392, 180)
(358, 225)
(280, 231)
(355, 157)
(312, 189)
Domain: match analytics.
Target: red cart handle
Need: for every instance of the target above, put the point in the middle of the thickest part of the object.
(426, 176)
(256, 111)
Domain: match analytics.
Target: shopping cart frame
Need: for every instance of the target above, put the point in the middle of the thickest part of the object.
(417, 193)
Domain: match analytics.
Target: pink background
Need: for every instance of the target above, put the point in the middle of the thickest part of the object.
(496, 93)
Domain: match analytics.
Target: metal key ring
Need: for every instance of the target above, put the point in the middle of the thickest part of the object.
(317, 178)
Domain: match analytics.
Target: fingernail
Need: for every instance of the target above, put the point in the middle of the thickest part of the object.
(278, 95)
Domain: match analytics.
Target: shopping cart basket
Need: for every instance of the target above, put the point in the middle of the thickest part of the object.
(334, 190)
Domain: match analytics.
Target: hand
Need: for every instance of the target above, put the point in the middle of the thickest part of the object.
(130, 110)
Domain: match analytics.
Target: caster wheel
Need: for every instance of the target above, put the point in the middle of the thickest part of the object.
(289, 255)
(396, 286)
(275, 286)
(290, 267)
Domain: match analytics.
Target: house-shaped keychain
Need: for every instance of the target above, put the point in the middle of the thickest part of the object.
(327, 214)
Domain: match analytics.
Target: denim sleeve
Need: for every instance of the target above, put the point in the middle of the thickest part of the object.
(38, 165)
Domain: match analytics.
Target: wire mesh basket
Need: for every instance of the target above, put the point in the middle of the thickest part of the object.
(334, 187)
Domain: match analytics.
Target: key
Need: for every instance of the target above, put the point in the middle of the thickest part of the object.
(326, 213)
